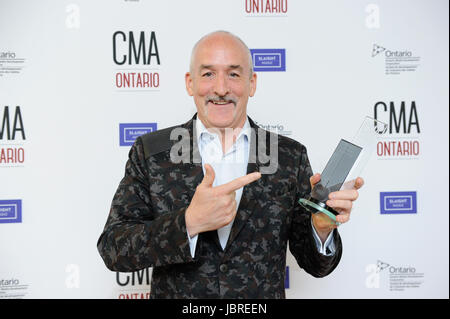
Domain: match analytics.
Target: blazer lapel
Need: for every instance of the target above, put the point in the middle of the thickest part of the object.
(191, 167)
(194, 171)
(252, 191)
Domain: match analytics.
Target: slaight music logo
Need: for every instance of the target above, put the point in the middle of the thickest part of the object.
(129, 132)
(266, 8)
(11, 211)
(138, 281)
(12, 137)
(398, 202)
(286, 278)
(137, 60)
(270, 60)
(401, 141)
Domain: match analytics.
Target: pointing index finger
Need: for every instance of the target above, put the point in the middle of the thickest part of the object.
(238, 183)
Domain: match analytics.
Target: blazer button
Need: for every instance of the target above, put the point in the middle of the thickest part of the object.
(223, 268)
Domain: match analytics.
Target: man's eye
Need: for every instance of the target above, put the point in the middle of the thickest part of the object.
(207, 74)
(234, 75)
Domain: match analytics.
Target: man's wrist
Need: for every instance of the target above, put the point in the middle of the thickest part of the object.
(190, 229)
(323, 233)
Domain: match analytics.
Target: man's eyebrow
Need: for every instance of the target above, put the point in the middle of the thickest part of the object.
(236, 66)
(205, 66)
(210, 66)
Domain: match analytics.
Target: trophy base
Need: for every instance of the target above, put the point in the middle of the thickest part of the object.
(314, 206)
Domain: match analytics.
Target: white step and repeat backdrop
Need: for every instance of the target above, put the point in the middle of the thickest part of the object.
(70, 83)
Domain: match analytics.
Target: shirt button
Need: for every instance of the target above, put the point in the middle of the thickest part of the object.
(223, 268)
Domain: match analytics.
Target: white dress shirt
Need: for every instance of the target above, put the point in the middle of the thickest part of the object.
(229, 166)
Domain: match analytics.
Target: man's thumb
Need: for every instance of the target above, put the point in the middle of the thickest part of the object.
(208, 179)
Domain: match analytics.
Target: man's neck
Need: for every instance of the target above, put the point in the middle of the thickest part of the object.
(227, 135)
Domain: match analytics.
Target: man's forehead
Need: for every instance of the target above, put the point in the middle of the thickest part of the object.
(221, 49)
(219, 38)
(224, 48)
(218, 54)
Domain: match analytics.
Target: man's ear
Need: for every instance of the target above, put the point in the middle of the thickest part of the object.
(189, 84)
(253, 84)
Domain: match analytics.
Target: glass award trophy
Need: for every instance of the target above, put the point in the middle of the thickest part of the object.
(344, 166)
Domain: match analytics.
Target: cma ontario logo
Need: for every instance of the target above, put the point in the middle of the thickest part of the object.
(135, 285)
(402, 140)
(137, 58)
(264, 8)
(12, 137)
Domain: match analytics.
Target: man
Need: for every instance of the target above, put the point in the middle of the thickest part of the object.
(217, 227)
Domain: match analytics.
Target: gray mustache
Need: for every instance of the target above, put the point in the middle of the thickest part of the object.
(215, 99)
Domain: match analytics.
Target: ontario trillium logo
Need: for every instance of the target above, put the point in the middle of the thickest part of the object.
(377, 50)
(395, 278)
(398, 61)
(381, 266)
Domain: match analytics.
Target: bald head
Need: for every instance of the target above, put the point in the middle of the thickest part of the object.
(221, 37)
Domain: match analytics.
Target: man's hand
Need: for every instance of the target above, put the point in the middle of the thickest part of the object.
(214, 207)
(341, 201)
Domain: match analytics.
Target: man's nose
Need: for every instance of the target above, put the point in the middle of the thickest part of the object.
(221, 85)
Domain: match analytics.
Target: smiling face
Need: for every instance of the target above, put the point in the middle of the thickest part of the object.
(221, 80)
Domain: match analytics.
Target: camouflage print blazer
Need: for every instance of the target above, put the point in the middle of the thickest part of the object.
(146, 225)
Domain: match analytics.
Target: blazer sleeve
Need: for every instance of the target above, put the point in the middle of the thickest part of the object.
(134, 237)
(301, 241)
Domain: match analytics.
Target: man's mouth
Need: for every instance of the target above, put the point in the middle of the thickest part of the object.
(221, 102)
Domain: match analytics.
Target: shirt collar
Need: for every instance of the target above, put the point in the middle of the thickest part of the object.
(203, 131)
